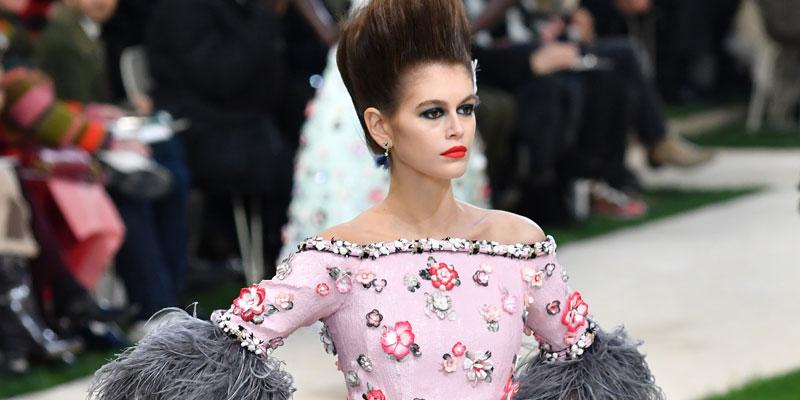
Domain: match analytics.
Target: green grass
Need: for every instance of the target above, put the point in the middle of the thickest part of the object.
(784, 387)
(736, 136)
(683, 111)
(43, 376)
(680, 111)
(662, 203)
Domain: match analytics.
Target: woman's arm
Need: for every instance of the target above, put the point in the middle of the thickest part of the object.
(229, 357)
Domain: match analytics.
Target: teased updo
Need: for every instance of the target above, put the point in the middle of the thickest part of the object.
(386, 38)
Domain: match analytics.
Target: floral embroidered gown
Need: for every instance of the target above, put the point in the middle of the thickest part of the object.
(334, 166)
(441, 319)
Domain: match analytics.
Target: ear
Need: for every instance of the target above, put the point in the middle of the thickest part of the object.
(378, 126)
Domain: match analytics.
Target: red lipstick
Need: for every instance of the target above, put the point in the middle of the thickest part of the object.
(455, 152)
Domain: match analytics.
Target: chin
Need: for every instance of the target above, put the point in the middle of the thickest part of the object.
(453, 170)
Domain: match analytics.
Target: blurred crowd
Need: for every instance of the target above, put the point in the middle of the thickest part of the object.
(141, 137)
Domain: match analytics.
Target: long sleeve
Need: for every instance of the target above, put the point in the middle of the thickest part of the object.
(33, 111)
(302, 293)
(229, 357)
(577, 360)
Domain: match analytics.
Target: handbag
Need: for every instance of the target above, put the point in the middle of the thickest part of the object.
(69, 201)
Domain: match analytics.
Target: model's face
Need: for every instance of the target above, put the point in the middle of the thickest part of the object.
(433, 126)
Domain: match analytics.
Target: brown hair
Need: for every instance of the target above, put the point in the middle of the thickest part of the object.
(386, 38)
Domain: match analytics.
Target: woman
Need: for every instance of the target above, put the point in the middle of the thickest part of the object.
(334, 167)
(409, 319)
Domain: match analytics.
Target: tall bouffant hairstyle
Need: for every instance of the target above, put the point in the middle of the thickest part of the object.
(386, 38)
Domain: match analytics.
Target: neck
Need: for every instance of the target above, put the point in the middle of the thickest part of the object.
(420, 206)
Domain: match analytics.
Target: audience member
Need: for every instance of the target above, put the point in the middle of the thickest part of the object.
(152, 260)
(71, 52)
(220, 64)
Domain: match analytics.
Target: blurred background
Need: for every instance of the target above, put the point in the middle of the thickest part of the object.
(162, 153)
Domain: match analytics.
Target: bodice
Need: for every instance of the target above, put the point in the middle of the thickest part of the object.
(422, 319)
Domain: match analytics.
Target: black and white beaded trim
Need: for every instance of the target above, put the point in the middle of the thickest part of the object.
(248, 340)
(375, 250)
(574, 351)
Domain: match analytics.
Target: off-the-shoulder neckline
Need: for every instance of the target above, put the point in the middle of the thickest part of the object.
(470, 246)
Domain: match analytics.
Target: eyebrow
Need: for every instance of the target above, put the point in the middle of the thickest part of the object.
(443, 103)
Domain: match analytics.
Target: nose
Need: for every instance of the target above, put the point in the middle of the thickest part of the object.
(455, 127)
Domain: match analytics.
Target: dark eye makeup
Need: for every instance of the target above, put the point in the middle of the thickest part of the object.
(437, 112)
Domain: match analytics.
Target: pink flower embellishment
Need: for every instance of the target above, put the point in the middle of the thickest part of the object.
(365, 276)
(344, 283)
(443, 276)
(575, 314)
(459, 349)
(532, 277)
(397, 342)
(323, 289)
(491, 314)
(284, 300)
(449, 364)
(510, 302)
(510, 389)
(250, 302)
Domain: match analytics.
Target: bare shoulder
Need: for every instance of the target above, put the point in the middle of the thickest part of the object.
(361, 229)
(507, 227)
(343, 231)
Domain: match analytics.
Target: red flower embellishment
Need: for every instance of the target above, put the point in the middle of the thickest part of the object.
(510, 389)
(459, 349)
(398, 342)
(443, 276)
(374, 394)
(575, 314)
(323, 289)
(250, 302)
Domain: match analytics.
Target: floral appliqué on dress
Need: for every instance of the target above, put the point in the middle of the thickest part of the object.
(398, 342)
(443, 276)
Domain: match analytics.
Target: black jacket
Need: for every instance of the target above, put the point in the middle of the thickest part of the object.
(219, 63)
(215, 60)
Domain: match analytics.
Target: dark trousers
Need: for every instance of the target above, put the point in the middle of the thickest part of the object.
(152, 260)
(646, 116)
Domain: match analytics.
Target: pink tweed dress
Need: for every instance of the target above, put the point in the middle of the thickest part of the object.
(408, 319)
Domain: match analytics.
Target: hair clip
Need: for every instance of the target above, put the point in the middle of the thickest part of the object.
(474, 76)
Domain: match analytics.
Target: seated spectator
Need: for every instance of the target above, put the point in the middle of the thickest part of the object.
(688, 38)
(588, 136)
(152, 260)
(550, 103)
(28, 124)
(70, 50)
